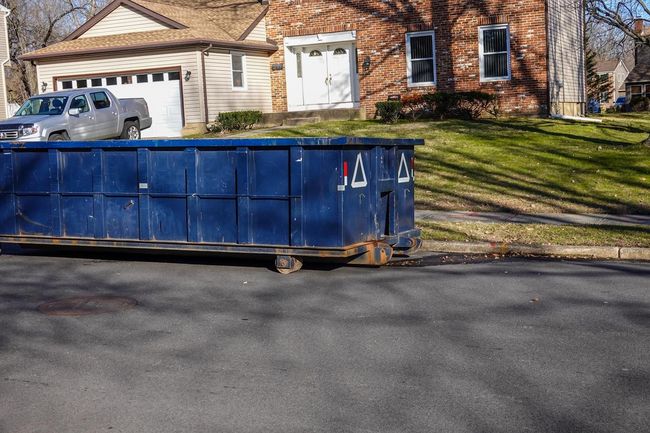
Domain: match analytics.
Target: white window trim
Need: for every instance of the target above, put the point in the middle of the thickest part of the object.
(244, 72)
(409, 64)
(481, 53)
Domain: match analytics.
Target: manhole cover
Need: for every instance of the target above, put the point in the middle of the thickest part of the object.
(87, 306)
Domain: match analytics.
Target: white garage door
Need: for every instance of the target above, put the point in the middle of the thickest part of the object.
(161, 90)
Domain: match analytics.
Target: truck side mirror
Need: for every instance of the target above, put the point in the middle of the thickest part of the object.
(74, 111)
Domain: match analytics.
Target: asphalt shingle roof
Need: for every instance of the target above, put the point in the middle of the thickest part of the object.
(220, 22)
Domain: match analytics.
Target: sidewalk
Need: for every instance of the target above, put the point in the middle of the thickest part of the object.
(551, 219)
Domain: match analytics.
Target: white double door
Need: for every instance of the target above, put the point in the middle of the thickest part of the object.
(327, 75)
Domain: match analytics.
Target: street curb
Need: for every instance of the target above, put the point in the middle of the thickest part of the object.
(617, 253)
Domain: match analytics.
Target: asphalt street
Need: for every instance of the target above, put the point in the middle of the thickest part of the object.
(497, 346)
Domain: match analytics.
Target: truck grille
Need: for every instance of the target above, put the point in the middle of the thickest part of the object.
(8, 135)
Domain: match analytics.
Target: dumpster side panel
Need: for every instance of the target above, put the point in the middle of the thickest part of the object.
(217, 195)
(34, 214)
(32, 187)
(7, 214)
(119, 201)
(32, 172)
(121, 217)
(167, 189)
(7, 209)
(320, 202)
(269, 197)
(386, 190)
(76, 200)
(357, 217)
(405, 189)
(120, 172)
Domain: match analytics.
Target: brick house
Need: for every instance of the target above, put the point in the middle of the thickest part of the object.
(192, 59)
(355, 53)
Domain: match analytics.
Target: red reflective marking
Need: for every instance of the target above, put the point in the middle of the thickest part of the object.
(345, 169)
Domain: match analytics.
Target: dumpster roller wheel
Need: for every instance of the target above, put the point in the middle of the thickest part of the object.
(288, 264)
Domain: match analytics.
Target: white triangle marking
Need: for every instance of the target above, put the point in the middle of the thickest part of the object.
(359, 165)
(403, 168)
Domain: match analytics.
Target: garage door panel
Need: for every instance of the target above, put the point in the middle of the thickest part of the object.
(164, 98)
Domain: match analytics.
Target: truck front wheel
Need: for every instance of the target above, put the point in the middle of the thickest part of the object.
(131, 131)
(58, 137)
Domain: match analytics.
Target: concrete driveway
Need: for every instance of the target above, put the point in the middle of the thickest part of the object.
(503, 346)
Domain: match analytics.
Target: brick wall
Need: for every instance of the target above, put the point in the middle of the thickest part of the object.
(381, 26)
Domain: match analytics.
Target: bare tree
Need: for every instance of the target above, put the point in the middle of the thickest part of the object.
(626, 16)
(35, 24)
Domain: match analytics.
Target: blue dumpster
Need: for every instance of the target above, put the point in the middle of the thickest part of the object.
(342, 199)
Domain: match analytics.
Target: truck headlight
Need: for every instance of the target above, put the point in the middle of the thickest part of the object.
(28, 130)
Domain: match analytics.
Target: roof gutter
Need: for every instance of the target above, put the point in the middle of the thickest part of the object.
(205, 53)
(251, 46)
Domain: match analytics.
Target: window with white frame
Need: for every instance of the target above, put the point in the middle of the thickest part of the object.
(238, 64)
(421, 58)
(494, 53)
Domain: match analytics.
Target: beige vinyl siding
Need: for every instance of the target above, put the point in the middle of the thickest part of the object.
(566, 56)
(109, 63)
(123, 20)
(258, 33)
(4, 54)
(222, 97)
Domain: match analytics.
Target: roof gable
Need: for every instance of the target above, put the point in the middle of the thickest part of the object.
(124, 20)
(131, 5)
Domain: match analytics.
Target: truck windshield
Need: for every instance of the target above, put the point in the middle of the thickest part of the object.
(44, 106)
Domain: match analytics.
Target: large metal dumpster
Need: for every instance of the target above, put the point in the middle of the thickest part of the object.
(343, 199)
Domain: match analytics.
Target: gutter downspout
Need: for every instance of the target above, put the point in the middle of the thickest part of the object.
(205, 53)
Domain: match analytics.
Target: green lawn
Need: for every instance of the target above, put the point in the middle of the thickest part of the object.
(520, 164)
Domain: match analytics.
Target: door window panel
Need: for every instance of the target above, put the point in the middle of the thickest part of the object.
(81, 103)
(100, 100)
(299, 63)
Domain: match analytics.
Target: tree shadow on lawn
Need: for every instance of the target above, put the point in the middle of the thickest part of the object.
(501, 185)
(528, 127)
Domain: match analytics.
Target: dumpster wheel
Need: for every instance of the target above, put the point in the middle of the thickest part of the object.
(288, 264)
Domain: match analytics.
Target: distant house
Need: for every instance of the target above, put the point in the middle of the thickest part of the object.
(638, 81)
(4, 58)
(615, 71)
(192, 59)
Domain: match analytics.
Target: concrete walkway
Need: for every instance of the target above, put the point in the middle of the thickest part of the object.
(552, 219)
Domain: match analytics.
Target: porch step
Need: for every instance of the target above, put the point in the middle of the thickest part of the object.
(297, 121)
(280, 119)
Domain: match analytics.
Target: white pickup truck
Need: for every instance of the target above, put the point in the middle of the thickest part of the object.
(78, 115)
